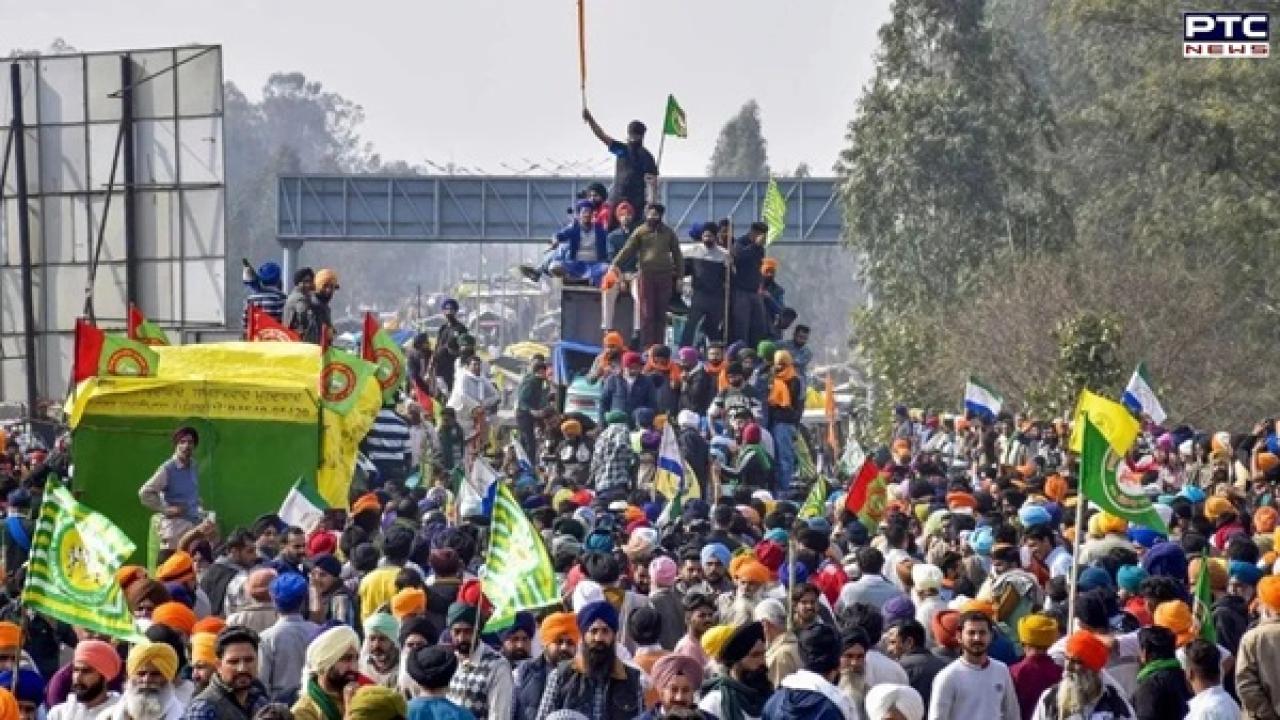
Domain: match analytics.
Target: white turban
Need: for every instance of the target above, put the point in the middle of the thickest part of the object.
(926, 577)
(883, 697)
(687, 419)
(585, 593)
(771, 610)
(328, 648)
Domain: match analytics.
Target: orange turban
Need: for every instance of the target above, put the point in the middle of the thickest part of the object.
(1264, 519)
(613, 340)
(769, 264)
(175, 616)
(212, 625)
(980, 606)
(203, 648)
(1176, 617)
(1085, 648)
(1111, 525)
(633, 514)
(1269, 592)
(1055, 488)
(8, 705)
(179, 566)
(409, 601)
(559, 625)
(10, 635)
(736, 563)
(128, 574)
(1217, 573)
(1266, 461)
(957, 499)
(946, 626)
(365, 503)
(1216, 506)
(754, 571)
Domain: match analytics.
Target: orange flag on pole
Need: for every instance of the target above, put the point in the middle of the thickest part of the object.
(829, 405)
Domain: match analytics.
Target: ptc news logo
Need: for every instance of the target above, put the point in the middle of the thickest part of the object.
(1226, 35)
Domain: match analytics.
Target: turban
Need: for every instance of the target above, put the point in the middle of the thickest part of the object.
(888, 696)
(212, 624)
(1217, 573)
(663, 571)
(1085, 648)
(1130, 577)
(600, 610)
(461, 613)
(176, 616)
(139, 590)
(1166, 559)
(1093, 577)
(977, 605)
(1144, 537)
(204, 648)
(982, 540)
(383, 624)
(420, 625)
(787, 570)
(1055, 488)
(945, 626)
(754, 572)
(1031, 515)
(156, 655)
(765, 349)
(258, 586)
(1176, 616)
(10, 635)
(771, 610)
(409, 601)
(523, 622)
(321, 544)
(559, 625)
(926, 577)
(432, 666)
(1192, 493)
(375, 702)
(162, 634)
(100, 656)
(366, 503)
(328, 563)
(687, 419)
(1217, 506)
(899, 608)
(179, 566)
(289, 591)
(1269, 592)
(643, 539)
(769, 265)
(631, 359)
(8, 705)
(777, 535)
(717, 551)
(613, 339)
(1037, 631)
(740, 642)
(127, 574)
(1112, 525)
(820, 647)
(571, 428)
(585, 593)
(957, 499)
(329, 647)
(714, 639)
(30, 686)
(770, 554)
(673, 665)
(1245, 572)
(616, 417)
(1264, 519)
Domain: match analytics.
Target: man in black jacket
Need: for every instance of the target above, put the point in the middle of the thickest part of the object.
(595, 683)
(559, 636)
(706, 263)
(905, 643)
(1162, 691)
(747, 310)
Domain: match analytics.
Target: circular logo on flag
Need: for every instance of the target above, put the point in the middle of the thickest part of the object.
(82, 573)
(127, 361)
(1126, 493)
(388, 367)
(337, 382)
(272, 335)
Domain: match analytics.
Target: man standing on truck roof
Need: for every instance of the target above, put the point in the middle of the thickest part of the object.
(174, 489)
(635, 174)
(657, 251)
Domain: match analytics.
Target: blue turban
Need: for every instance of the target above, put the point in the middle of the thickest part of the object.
(533, 502)
(899, 608)
(777, 535)
(599, 542)
(583, 205)
(30, 685)
(1166, 559)
(982, 540)
(1130, 577)
(289, 591)
(697, 509)
(644, 417)
(1055, 512)
(1093, 578)
(717, 551)
(1192, 493)
(1246, 572)
(820, 524)
(1144, 536)
(653, 510)
(784, 574)
(524, 621)
(599, 610)
(447, 302)
(1031, 515)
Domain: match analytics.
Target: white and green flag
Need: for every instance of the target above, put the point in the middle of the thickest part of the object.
(518, 574)
(1140, 397)
(303, 507)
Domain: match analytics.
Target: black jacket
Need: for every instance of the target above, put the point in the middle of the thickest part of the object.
(747, 257)
(532, 680)
(1162, 696)
(1230, 620)
(921, 666)
(698, 390)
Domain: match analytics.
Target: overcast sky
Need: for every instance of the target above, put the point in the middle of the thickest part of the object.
(486, 82)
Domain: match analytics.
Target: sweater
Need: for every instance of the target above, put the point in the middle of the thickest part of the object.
(963, 692)
(657, 250)
(1258, 673)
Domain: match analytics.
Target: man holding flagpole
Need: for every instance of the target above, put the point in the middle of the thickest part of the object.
(635, 172)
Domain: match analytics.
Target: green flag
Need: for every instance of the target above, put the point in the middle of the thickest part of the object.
(377, 347)
(774, 212)
(518, 574)
(673, 122)
(71, 576)
(816, 501)
(341, 378)
(143, 330)
(1203, 602)
(1099, 483)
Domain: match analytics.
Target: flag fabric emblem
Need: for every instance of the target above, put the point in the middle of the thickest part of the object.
(303, 507)
(1100, 483)
(674, 478)
(341, 378)
(377, 347)
(518, 574)
(815, 503)
(71, 576)
(1141, 398)
(673, 122)
(264, 328)
(774, 212)
(1202, 608)
(143, 330)
(981, 400)
(98, 354)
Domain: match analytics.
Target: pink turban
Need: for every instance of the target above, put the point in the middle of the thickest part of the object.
(100, 656)
(669, 666)
(662, 571)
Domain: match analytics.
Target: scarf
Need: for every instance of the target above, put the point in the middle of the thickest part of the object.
(738, 700)
(1156, 666)
(780, 388)
(756, 449)
(328, 708)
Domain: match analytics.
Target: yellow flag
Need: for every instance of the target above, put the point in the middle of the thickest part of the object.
(1112, 419)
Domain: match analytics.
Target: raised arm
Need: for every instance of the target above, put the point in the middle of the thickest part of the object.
(599, 132)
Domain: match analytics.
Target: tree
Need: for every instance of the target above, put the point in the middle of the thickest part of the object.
(741, 149)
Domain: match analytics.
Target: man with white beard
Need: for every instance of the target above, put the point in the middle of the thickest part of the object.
(737, 608)
(148, 693)
(94, 664)
(854, 646)
(1085, 691)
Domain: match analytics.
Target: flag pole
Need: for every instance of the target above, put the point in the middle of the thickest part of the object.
(1075, 560)
(791, 583)
(582, 52)
(662, 142)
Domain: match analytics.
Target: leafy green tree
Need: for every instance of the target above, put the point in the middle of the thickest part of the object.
(741, 150)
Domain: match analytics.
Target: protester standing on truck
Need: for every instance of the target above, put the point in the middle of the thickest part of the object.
(635, 173)
(657, 251)
(174, 489)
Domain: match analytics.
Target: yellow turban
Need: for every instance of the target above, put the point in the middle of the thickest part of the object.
(714, 640)
(980, 606)
(204, 648)
(1112, 525)
(1038, 631)
(155, 655)
(1176, 616)
(1218, 575)
(374, 702)
(1215, 506)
